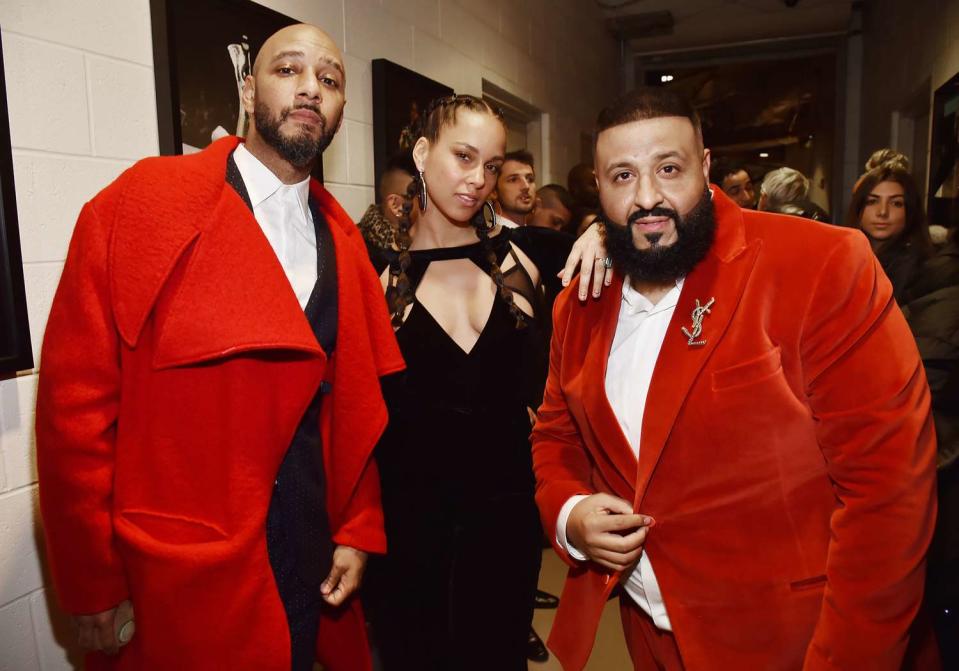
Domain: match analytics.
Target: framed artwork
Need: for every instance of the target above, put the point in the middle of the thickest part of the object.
(202, 52)
(16, 352)
(943, 198)
(399, 95)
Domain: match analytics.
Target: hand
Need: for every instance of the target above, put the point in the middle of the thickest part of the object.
(589, 253)
(345, 576)
(97, 631)
(605, 529)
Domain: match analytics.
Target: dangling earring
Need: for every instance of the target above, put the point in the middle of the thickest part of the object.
(422, 194)
(488, 206)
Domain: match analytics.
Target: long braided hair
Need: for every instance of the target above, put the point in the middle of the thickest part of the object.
(399, 293)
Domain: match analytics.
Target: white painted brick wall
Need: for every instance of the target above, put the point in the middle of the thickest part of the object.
(82, 109)
(20, 571)
(54, 634)
(46, 95)
(359, 89)
(361, 153)
(19, 649)
(122, 108)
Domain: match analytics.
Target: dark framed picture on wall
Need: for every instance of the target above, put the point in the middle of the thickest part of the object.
(16, 353)
(202, 52)
(943, 197)
(399, 96)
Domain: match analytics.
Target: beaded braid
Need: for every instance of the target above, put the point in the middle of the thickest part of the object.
(399, 294)
(496, 273)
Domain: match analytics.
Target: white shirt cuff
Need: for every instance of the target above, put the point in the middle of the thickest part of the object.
(561, 539)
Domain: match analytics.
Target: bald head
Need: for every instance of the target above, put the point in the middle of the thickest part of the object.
(295, 97)
(294, 38)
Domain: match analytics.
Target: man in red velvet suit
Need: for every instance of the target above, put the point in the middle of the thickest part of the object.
(209, 397)
(738, 438)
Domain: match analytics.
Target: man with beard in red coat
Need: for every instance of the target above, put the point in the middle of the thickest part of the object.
(738, 440)
(209, 397)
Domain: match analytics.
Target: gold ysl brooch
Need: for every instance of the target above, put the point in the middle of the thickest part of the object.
(699, 312)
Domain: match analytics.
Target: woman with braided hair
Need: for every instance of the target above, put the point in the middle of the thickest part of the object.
(455, 590)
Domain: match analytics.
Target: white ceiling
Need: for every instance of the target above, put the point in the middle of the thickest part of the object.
(708, 23)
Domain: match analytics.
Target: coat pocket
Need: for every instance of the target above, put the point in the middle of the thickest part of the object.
(808, 583)
(170, 529)
(747, 372)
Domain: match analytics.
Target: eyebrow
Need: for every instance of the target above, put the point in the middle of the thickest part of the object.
(466, 145)
(294, 53)
(627, 163)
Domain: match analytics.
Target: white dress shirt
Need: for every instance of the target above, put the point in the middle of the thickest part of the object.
(283, 212)
(640, 331)
(506, 221)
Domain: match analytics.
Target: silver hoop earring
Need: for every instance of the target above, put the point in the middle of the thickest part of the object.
(488, 206)
(422, 193)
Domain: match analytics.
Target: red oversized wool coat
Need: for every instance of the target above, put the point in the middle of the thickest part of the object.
(789, 462)
(177, 365)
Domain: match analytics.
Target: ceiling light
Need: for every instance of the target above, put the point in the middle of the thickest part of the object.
(764, 154)
(666, 78)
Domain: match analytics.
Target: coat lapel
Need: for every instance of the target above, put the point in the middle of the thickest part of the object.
(231, 294)
(234, 296)
(722, 276)
(366, 349)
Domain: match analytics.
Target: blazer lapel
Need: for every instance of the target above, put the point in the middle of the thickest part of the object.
(612, 444)
(722, 276)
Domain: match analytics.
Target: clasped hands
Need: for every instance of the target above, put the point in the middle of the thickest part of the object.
(605, 529)
(98, 630)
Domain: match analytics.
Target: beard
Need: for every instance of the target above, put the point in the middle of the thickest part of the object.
(521, 208)
(658, 264)
(300, 149)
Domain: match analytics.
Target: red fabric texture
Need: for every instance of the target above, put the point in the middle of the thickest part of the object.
(789, 462)
(177, 364)
(649, 646)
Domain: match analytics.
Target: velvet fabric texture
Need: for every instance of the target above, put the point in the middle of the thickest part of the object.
(788, 462)
(177, 364)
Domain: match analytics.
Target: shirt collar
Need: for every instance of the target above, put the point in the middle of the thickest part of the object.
(260, 181)
(504, 221)
(636, 302)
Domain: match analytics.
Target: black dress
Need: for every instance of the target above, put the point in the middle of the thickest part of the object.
(455, 590)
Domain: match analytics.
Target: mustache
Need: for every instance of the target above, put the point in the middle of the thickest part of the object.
(305, 106)
(655, 212)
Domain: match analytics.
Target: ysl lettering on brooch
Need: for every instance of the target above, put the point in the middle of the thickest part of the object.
(699, 312)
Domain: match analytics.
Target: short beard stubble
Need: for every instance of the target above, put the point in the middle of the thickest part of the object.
(525, 210)
(301, 149)
(695, 233)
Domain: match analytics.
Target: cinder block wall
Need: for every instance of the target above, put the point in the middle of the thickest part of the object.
(82, 109)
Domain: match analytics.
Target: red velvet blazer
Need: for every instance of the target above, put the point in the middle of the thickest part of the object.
(788, 462)
(177, 364)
